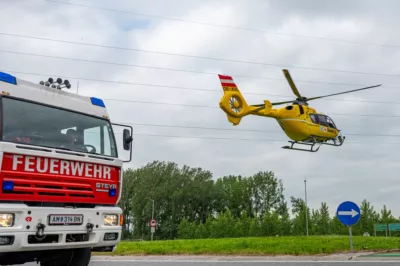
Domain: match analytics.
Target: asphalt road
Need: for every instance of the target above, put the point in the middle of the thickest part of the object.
(244, 263)
(239, 261)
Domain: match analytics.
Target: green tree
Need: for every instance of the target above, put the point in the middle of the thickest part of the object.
(324, 220)
(285, 225)
(125, 203)
(189, 204)
(386, 216)
(267, 192)
(368, 218)
(255, 227)
(235, 195)
(186, 229)
(222, 226)
(178, 193)
(337, 228)
(299, 221)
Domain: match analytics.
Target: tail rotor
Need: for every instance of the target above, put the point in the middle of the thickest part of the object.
(232, 102)
(236, 105)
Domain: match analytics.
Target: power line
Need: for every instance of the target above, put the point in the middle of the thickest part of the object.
(189, 105)
(199, 57)
(248, 130)
(109, 81)
(197, 89)
(186, 105)
(118, 64)
(225, 138)
(169, 69)
(208, 106)
(226, 26)
(216, 138)
(186, 88)
(244, 139)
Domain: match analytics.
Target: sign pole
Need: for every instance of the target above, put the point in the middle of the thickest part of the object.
(153, 224)
(351, 239)
(305, 197)
(152, 218)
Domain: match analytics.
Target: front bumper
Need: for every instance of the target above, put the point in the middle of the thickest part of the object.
(24, 231)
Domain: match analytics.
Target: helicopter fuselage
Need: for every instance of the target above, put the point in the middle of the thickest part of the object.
(301, 122)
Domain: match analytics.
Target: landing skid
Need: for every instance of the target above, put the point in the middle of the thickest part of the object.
(303, 143)
(336, 142)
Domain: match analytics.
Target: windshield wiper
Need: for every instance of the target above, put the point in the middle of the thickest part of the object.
(60, 148)
(63, 148)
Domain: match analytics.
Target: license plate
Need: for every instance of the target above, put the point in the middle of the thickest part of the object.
(65, 219)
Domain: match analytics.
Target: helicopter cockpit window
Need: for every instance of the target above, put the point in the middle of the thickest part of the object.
(330, 122)
(322, 120)
(314, 118)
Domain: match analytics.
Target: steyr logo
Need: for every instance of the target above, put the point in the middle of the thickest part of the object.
(102, 187)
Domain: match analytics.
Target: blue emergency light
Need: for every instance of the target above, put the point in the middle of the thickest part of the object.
(97, 101)
(112, 192)
(8, 186)
(8, 78)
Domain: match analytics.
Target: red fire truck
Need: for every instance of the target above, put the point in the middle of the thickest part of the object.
(60, 174)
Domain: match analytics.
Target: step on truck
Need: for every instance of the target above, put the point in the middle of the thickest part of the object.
(61, 171)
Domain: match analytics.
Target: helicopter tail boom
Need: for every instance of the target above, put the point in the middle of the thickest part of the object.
(234, 104)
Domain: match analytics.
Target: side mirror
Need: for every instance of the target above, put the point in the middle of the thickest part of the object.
(127, 139)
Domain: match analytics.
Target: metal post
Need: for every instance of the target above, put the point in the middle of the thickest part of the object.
(305, 192)
(152, 217)
(351, 239)
(152, 212)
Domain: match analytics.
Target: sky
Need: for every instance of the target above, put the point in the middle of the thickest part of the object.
(155, 64)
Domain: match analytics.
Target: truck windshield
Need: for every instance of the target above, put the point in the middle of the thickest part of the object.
(41, 125)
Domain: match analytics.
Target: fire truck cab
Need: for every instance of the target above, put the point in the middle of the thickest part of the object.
(60, 174)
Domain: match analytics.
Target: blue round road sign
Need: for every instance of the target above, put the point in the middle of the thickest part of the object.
(348, 213)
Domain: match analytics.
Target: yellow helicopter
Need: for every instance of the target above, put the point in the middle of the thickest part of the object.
(301, 123)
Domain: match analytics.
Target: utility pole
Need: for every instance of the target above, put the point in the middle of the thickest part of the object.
(305, 194)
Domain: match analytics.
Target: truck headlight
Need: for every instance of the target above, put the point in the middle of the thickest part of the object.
(111, 220)
(6, 219)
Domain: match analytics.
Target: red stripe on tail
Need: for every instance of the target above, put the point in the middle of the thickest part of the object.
(227, 81)
(229, 85)
(224, 77)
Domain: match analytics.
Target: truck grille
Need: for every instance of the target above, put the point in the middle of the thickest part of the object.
(49, 187)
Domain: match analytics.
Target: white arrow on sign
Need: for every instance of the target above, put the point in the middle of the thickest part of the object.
(352, 213)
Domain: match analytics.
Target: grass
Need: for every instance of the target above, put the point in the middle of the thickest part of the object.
(312, 245)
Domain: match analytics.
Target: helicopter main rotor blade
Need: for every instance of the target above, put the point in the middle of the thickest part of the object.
(291, 83)
(319, 97)
(276, 103)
